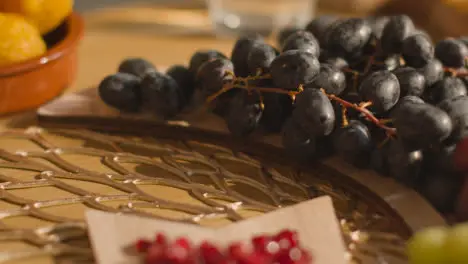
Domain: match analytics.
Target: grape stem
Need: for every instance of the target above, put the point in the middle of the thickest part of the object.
(242, 83)
(362, 108)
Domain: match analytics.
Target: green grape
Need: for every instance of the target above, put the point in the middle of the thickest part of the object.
(456, 245)
(427, 246)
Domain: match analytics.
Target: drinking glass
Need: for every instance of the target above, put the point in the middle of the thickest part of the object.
(264, 17)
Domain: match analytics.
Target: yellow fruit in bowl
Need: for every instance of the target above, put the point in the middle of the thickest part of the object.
(45, 14)
(19, 39)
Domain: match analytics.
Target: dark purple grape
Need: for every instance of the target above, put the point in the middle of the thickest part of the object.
(432, 72)
(336, 62)
(244, 114)
(348, 37)
(319, 26)
(397, 29)
(382, 89)
(161, 94)
(441, 190)
(447, 88)
(441, 158)
(417, 50)
(202, 56)
(278, 108)
(136, 66)
(451, 52)
(240, 53)
(294, 68)
(378, 24)
(304, 41)
(213, 74)
(411, 81)
(297, 142)
(402, 164)
(457, 109)
(420, 125)
(285, 33)
(332, 80)
(387, 62)
(184, 79)
(314, 113)
(260, 57)
(121, 91)
(353, 143)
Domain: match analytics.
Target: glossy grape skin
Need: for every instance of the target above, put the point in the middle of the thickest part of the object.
(421, 125)
(349, 37)
(411, 81)
(457, 109)
(278, 108)
(433, 71)
(319, 27)
(441, 158)
(382, 89)
(314, 113)
(456, 244)
(304, 41)
(285, 33)
(417, 50)
(447, 88)
(260, 57)
(244, 114)
(213, 74)
(240, 53)
(427, 246)
(161, 94)
(331, 79)
(336, 62)
(378, 24)
(136, 66)
(441, 190)
(185, 80)
(353, 143)
(403, 165)
(294, 68)
(202, 56)
(451, 52)
(397, 29)
(297, 142)
(121, 91)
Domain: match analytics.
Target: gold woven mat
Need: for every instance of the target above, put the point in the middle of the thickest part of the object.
(49, 178)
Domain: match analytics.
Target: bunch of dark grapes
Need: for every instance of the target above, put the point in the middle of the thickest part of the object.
(375, 91)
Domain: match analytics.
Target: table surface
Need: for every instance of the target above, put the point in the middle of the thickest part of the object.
(114, 34)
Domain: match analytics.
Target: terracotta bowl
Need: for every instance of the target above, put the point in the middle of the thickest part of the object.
(31, 83)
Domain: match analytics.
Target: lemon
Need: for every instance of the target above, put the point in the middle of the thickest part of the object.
(45, 14)
(19, 39)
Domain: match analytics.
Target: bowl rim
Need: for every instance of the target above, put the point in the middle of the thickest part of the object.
(75, 33)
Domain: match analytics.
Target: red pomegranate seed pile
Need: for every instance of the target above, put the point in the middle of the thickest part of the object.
(281, 248)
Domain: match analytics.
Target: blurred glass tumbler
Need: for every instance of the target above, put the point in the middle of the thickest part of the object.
(264, 17)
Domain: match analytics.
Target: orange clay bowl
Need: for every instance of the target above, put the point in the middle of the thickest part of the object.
(28, 84)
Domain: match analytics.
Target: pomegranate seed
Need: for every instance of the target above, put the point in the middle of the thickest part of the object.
(460, 156)
(160, 239)
(176, 254)
(142, 245)
(254, 258)
(293, 256)
(260, 243)
(236, 251)
(154, 254)
(287, 239)
(210, 253)
(183, 242)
